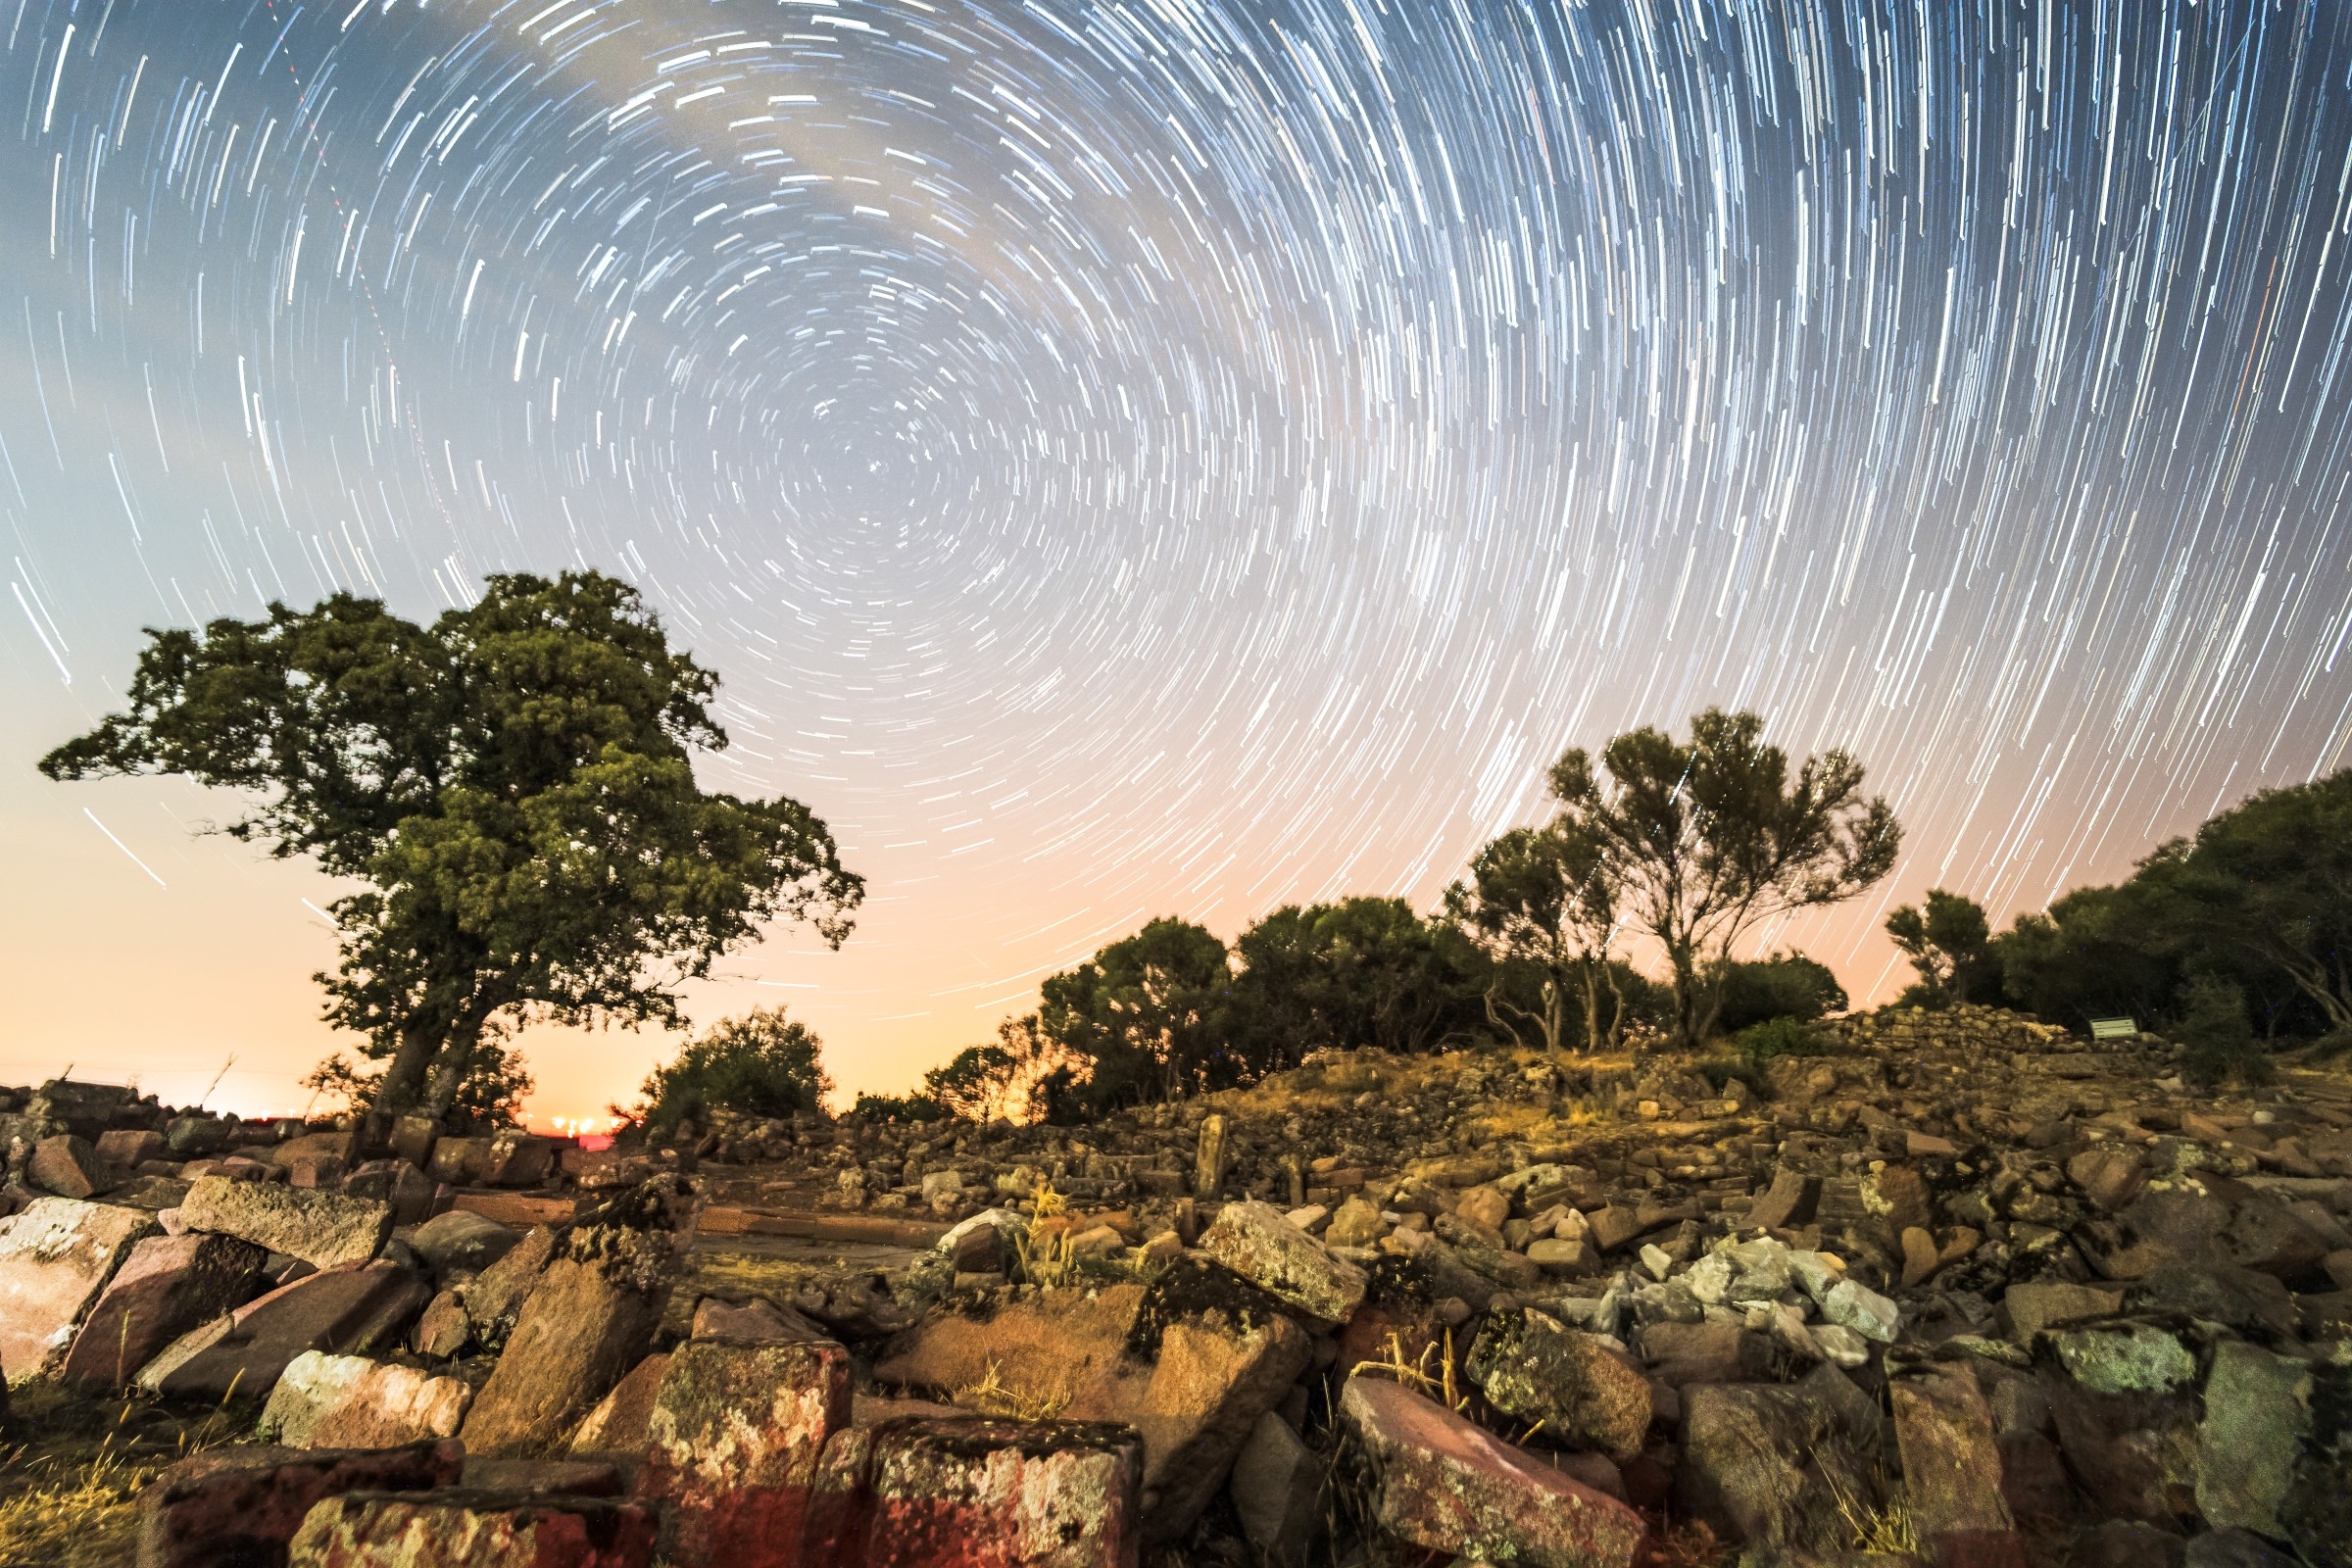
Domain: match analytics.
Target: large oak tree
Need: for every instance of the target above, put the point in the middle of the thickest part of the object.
(515, 785)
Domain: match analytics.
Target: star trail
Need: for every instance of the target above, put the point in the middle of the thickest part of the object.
(1179, 456)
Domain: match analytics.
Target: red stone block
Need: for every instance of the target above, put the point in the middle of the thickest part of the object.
(467, 1529)
(235, 1508)
(734, 1439)
(1443, 1482)
(1005, 1495)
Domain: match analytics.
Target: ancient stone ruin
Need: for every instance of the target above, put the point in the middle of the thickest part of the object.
(1961, 1291)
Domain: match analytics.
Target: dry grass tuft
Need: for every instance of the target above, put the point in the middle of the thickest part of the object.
(75, 1511)
(992, 1396)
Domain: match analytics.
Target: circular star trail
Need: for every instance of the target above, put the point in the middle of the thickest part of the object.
(1175, 457)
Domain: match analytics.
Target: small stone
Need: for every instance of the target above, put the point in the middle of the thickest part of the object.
(1921, 1257)
(1357, 1223)
(1853, 1305)
(2032, 1309)
(1556, 1256)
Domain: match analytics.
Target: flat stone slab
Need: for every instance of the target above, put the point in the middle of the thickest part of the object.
(322, 1229)
(473, 1529)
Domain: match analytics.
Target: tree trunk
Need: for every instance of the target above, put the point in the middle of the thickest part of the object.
(1687, 1021)
(456, 1059)
(404, 1080)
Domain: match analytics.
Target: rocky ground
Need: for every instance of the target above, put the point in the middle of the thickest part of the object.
(1961, 1290)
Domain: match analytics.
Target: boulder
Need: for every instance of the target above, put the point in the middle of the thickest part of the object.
(587, 1320)
(2110, 1175)
(1004, 1494)
(470, 1528)
(67, 1166)
(442, 1330)
(1587, 1394)
(2233, 1547)
(2257, 1419)
(1789, 1201)
(1195, 1394)
(2134, 1455)
(350, 1402)
(396, 1184)
(1256, 1241)
(1440, 1482)
(1765, 1466)
(494, 1297)
(461, 1240)
(1043, 1351)
(322, 1229)
(1951, 1460)
(2209, 1218)
(1280, 1490)
(128, 1148)
(56, 1256)
(229, 1508)
(167, 1286)
(733, 1441)
(352, 1307)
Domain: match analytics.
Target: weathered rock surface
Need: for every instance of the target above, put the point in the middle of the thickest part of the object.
(350, 1402)
(472, 1529)
(167, 1286)
(322, 1228)
(56, 1256)
(733, 1441)
(1256, 1241)
(239, 1506)
(997, 1494)
(586, 1321)
(1587, 1394)
(1446, 1484)
(352, 1308)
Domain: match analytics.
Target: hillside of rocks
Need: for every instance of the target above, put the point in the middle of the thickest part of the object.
(1959, 1289)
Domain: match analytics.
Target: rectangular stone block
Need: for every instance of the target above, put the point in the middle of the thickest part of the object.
(733, 1443)
(467, 1529)
(322, 1229)
(1005, 1495)
(236, 1507)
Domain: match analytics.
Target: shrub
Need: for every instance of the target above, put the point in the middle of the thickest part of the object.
(760, 1065)
(872, 1108)
(1787, 985)
(1777, 1036)
(2219, 1040)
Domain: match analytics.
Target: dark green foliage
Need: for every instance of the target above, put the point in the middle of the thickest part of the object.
(514, 783)
(760, 1065)
(1365, 973)
(1787, 985)
(874, 1108)
(1144, 1016)
(1782, 1036)
(1950, 943)
(2221, 1042)
(1706, 839)
(2258, 902)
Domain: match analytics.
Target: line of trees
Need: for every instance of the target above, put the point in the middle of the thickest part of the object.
(2237, 938)
(1684, 846)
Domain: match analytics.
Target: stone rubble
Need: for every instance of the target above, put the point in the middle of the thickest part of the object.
(1961, 1291)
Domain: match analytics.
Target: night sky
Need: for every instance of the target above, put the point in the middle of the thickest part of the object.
(1174, 456)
